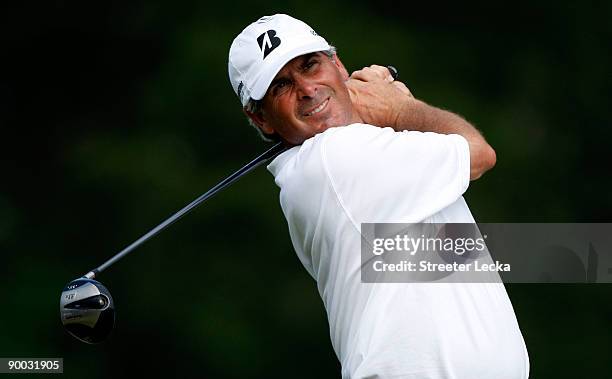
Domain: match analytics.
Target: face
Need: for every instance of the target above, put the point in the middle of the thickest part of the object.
(307, 96)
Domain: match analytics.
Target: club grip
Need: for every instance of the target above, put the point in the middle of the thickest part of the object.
(393, 72)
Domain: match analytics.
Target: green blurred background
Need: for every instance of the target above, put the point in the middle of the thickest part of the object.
(114, 115)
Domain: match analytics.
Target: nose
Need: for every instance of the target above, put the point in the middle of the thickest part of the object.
(306, 88)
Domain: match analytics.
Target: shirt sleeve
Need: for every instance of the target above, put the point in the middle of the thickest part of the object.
(380, 175)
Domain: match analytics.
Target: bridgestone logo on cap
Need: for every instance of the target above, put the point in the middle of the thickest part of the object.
(268, 41)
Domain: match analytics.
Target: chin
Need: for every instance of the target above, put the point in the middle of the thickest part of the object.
(332, 123)
(323, 127)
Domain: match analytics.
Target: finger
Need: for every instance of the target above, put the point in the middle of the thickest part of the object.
(366, 74)
(383, 72)
(356, 75)
(354, 83)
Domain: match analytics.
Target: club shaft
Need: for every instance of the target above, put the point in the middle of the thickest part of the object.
(264, 157)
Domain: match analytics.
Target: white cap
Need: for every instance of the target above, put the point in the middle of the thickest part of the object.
(262, 49)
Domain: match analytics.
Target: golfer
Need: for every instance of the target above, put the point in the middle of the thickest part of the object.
(365, 150)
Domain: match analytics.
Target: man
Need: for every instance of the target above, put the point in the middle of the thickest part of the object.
(365, 150)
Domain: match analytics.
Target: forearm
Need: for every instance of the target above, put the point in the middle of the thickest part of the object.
(417, 115)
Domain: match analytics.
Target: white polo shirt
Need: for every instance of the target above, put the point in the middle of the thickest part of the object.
(350, 175)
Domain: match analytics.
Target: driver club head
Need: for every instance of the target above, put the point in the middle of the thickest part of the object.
(87, 310)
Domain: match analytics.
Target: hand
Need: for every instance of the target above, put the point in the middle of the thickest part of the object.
(376, 97)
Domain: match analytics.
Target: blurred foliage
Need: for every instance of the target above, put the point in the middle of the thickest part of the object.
(114, 115)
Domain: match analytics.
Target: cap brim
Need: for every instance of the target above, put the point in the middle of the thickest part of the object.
(263, 82)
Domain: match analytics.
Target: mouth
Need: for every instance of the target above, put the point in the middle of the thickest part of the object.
(318, 108)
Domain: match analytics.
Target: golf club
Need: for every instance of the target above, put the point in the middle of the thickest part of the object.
(87, 310)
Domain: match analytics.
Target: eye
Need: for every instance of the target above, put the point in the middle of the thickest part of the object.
(280, 87)
(310, 64)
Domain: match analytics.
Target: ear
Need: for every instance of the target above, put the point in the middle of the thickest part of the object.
(259, 120)
(341, 68)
